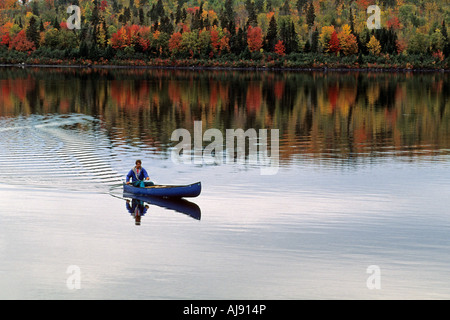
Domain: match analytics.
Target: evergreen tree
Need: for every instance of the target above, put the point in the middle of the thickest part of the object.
(446, 50)
(252, 17)
(259, 6)
(178, 14)
(315, 41)
(285, 9)
(269, 6)
(228, 15)
(289, 36)
(302, 5)
(293, 44)
(310, 15)
(83, 52)
(35, 8)
(160, 9)
(238, 41)
(126, 15)
(32, 32)
(271, 37)
(352, 22)
(307, 47)
(141, 16)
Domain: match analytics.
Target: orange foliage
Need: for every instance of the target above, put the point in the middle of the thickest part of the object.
(278, 89)
(279, 48)
(130, 35)
(333, 93)
(394, 23)
(254, 38)
(334, 43)
(175, 42)
(20, 43)
(214, 35)
(5, 4)
(253, 99)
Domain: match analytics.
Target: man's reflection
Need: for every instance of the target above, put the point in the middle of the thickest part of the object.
(137, 209)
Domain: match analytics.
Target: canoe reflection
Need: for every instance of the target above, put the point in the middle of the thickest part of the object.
(138, 206)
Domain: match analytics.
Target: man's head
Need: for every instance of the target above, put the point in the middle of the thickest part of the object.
(138, 164)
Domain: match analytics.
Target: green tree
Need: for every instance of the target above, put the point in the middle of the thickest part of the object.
(302, 5)
(32, 32)
(227, 16)
(419, 43)
(252, 17)
(310, 15)
(437, 41)
(271, 37)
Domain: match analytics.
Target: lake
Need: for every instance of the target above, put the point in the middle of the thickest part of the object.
(357, 208)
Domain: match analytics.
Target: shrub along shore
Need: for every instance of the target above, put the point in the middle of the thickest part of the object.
(293, 61)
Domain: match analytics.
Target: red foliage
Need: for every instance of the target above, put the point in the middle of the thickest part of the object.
(224, 44)
(103, 5)
(334, 43)
(20, 43)
(254, 38)
(333, 93)
(394, 23)
(279, 48)
(254, 98)
(175, 42)
(192, 10)
(278, 89)
(214, 38)
(5, 40)
(130, 35)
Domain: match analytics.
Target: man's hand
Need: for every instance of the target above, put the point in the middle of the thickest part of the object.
(128, 182)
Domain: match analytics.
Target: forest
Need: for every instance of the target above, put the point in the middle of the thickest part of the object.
(227, 33)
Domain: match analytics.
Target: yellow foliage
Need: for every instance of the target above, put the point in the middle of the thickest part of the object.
(347, 41)
(325, 36)
(374, 46)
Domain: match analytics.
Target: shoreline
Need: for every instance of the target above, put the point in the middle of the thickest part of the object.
(229, 68)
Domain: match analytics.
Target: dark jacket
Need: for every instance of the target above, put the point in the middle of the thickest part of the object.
(137, 177)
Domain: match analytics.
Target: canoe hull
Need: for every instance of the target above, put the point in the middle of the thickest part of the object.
(167, 191)
(176, 204)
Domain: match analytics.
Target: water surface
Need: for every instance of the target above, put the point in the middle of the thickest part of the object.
(363, 180)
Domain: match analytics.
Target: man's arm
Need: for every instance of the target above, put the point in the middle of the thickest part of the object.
(129, 175)
(144, 172)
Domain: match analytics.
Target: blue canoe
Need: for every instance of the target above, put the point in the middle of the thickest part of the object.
(176, 204)
(187, 191)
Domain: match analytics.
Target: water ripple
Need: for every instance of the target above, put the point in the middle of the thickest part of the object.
(56, 151)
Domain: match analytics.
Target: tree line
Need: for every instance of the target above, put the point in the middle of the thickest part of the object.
(227, 31)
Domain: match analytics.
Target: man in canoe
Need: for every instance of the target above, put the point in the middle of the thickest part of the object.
(138, 175)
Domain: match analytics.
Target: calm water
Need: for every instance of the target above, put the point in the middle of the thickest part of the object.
(363, 180)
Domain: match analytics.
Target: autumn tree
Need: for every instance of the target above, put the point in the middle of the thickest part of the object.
(254, 38)
(325, 37)
(333, 45)
(374, 46)
(21, 43)
(279, 48)
(347, 41)
(175, 42)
